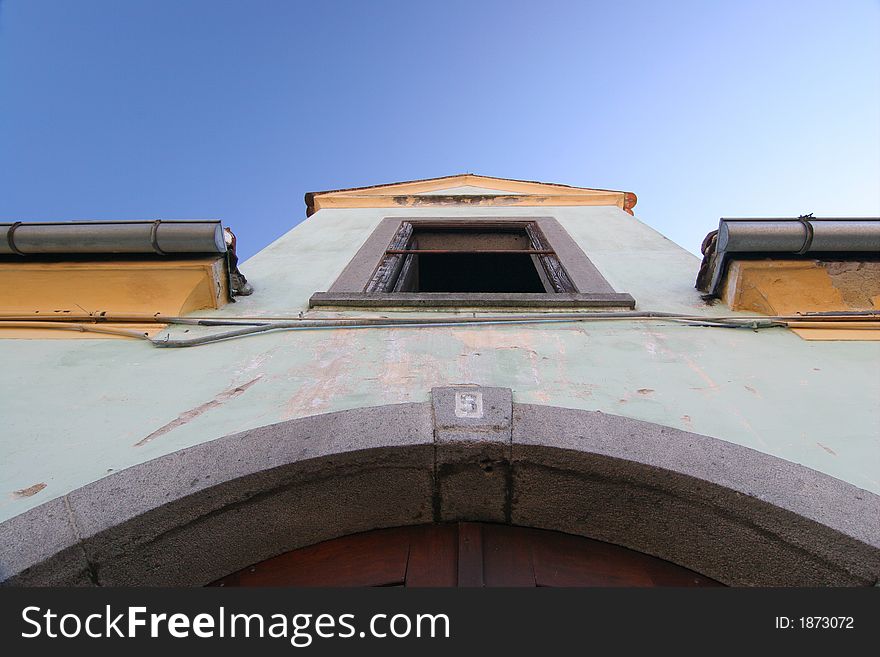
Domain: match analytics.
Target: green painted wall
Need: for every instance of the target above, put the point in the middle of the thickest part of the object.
(74, 410)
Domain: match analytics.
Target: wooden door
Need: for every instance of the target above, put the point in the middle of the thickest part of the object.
(464, 554)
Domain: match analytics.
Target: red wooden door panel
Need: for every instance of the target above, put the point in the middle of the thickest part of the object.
(464, 554)
(369, 559)
(433, 556)
(566, 560)
(507, 555)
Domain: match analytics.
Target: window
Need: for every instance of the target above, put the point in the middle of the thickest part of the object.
(486, 257)
(477, 262)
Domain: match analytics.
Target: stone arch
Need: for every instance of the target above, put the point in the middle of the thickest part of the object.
(190, 517)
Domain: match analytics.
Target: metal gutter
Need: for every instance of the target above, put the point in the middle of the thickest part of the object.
(158, 237)
(794, 237)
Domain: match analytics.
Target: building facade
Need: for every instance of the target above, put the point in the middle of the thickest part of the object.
(466, 352)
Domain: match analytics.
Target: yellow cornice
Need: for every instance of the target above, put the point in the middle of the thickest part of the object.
(111, 287)
(415, 200)
(415, 193)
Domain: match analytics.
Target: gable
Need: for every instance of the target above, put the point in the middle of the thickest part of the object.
(467, 189)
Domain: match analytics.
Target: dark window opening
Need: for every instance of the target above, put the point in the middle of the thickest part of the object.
(486, 258)
(472, 272)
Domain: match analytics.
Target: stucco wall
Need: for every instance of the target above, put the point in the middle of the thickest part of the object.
(187, 518)
(74, 411)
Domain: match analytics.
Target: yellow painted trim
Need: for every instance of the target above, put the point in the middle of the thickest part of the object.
(788, 287)
(114, 287)
(412, 201)
(409, 194)
(837, 334)
(834, 325)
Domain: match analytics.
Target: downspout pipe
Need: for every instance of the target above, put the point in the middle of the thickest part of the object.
(111, 237)
(795, 237)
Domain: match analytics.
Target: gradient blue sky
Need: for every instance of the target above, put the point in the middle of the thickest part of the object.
(129, 109)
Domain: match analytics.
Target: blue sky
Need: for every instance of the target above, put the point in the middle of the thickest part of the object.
(129, 109)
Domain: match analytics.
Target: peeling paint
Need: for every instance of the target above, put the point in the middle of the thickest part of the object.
(711, 386)
(30, 490)
(657, 345)
(398, 365)
(827, 449)
(789, 286)
(326, 376)
(254, 363)
(193, 413)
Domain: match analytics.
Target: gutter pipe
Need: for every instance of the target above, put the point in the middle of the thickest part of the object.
(108, 237)
(866, 319)
(798, 236)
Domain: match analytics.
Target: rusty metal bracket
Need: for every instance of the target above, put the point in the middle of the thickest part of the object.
(154, 230)
(808, 240)
(10, 237)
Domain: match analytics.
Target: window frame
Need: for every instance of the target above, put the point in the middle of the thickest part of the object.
(591, 290)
